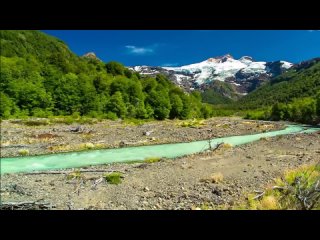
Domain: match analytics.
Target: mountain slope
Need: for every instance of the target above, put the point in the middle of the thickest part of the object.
(218, 92)
(303, 80)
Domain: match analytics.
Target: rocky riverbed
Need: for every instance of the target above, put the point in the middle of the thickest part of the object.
(183, 183)
(45, 136)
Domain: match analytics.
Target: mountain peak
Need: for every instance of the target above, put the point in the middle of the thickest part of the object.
(220, 59)
(246, 59)
(228, 56)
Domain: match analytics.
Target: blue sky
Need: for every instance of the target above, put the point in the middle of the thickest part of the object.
(181, 47)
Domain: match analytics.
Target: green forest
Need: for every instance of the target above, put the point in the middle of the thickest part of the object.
(41, 77)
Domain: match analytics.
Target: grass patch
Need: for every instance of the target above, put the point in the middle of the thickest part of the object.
(152, 160)
(75, 175)
(79, 147)
(36, 122)
(269, 203)
(73, 119)
(135, 122)
(88, 146)
(194, 123)
(113, 178)
(60, 148)
(23, 152)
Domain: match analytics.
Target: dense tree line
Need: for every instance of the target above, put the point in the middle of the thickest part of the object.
(292, 96)
(302, 110)
(40, 77)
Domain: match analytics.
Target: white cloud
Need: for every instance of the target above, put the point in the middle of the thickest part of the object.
(139, 50)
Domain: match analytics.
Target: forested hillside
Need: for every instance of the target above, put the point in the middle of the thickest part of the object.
(292, 96)
(298, 82)
(220, 93)
(40, 77)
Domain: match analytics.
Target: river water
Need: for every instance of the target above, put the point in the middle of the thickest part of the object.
(104, 156)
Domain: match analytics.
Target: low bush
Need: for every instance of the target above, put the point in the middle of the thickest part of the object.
(23, 152)
(113, 178)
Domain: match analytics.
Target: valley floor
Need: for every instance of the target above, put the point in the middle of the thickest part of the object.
(170, 184)
(17, 135)
(182, 183)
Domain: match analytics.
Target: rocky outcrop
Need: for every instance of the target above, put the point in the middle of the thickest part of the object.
(91, 55)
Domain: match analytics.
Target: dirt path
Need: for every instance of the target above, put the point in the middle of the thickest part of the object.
(171, 184)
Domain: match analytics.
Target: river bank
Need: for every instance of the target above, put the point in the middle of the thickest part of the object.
(183, 183)
(19, 138)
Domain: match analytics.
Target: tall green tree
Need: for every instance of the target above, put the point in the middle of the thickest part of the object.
(160, 102)
(176, 106)
(117, 105)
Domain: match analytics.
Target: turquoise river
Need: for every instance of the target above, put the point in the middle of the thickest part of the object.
(105, 156)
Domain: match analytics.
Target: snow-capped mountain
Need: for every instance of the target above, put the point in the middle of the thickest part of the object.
(244, 73)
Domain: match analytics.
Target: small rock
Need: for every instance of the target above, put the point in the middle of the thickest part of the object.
(216, 191)
(146, 189)
(147, 133)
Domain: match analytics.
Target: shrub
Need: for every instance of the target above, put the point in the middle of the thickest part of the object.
(89, 145)
(113, 178)
(23, 152)
(216, 177)
(111, 116)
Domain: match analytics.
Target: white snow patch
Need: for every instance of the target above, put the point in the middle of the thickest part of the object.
(286, 65)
